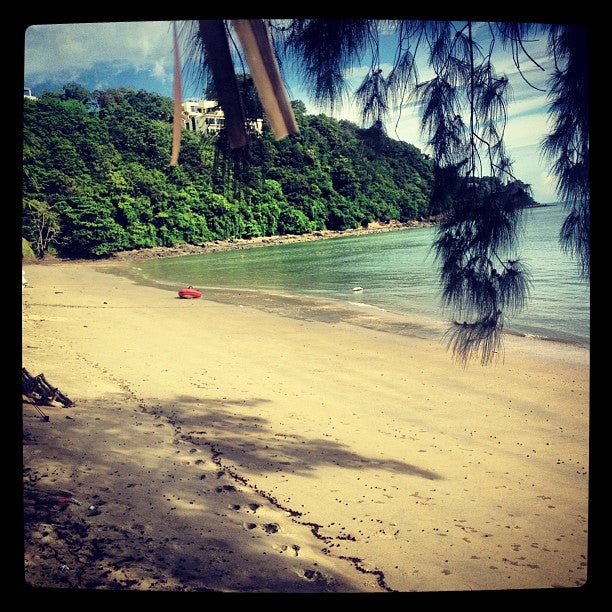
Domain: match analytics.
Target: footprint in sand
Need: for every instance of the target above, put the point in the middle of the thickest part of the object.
(317, 576)
(293, 550)
(252, 507)
(267, 527)
(273, 528)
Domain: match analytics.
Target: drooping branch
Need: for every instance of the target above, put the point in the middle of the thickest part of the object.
(372, 97)
(464, 108)
(324, 49)
(482, 280)
(567, 145)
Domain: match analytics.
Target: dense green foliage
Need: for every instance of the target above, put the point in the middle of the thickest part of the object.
(97, 179)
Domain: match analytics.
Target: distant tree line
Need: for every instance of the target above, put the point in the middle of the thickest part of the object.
(97, 178)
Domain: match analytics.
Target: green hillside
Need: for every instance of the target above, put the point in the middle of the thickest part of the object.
(97, 178)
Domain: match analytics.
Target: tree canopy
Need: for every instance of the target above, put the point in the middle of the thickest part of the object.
(96, 177)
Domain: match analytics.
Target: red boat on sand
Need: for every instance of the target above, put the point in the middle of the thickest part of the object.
(189, 292)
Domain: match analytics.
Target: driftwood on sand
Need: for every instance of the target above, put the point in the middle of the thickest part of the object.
(41, 393)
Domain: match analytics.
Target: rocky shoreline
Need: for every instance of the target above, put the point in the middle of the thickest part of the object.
(234, 244)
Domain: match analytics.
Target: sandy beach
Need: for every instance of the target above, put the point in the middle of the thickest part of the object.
(216, 447)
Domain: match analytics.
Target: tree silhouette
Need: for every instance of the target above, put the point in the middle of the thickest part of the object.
(464, 108)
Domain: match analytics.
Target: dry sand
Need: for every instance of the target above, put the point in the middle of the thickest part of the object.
(228, 449)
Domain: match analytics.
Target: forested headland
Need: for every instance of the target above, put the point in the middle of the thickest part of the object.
(97, 178)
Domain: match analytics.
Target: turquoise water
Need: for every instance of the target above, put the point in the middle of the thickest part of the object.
(398, 274)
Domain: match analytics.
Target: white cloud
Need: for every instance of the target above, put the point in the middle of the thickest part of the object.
(73, 48)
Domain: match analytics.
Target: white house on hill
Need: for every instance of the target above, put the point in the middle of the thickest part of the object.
(206, 116)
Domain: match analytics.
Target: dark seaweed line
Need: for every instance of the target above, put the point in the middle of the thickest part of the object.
(294, 514)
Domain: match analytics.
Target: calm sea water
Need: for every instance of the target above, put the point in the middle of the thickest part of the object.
(398, 274)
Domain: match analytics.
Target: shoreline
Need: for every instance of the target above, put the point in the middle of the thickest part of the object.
(332, 310)
(304, 305)
(233, 244)
(228, 449)
(279, 301)
(294, 304)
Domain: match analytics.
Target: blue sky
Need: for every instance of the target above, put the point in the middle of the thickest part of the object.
(140, 55)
